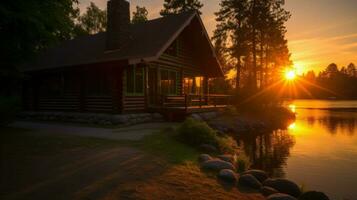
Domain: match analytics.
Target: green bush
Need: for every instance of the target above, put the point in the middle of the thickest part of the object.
(195, 133)
(226, 144)
(9, 106)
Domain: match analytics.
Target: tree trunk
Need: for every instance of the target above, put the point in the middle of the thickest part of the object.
(238, 68)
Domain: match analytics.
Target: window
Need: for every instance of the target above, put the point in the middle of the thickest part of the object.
(135, 80)
(168, 81)
(193, 85)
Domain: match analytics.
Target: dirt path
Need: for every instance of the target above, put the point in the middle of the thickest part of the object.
(133, 133)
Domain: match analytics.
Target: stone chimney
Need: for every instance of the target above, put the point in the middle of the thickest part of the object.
(118, 25)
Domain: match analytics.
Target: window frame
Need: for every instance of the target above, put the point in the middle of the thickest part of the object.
(176, 82)
(134, 93)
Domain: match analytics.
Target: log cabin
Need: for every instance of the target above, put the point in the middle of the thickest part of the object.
(151, 66)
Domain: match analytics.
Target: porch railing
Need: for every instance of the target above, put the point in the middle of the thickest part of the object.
(191, 100)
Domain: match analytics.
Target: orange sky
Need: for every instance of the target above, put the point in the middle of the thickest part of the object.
(320, 31)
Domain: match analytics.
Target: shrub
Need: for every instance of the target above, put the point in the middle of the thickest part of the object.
(195, 133)
(226, 144)
(9, 106)
(242, 163)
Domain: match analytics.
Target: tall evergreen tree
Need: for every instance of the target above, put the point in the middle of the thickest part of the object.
(94, 20)
(140, 15)
(252, 32)
(178, 6)
(231, 34)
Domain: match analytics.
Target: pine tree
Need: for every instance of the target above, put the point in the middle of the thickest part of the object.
(178, 6)
(140, 15)
(252, 34)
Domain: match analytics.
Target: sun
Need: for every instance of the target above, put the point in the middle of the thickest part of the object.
(290, 75)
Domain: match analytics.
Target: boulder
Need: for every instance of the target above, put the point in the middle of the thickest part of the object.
(196, 117)
(249, 180)
(207, 148)
(313, 195)
(217, 165)
(259, 174)
(228, 175)
(227, 158)
(280, 196)
(284, 186)
(266, 191)
(204, 157)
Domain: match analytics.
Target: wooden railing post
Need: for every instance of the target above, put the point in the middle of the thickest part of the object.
(162, 100)
(200, 103)
(186, 102)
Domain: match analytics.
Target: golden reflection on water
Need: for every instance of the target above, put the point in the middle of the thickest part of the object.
(320, 146)
(292, 126)
(292, 107)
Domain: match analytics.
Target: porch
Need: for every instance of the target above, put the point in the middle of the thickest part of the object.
(189, 103)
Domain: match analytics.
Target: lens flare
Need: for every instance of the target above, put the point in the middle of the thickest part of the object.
(290, 75)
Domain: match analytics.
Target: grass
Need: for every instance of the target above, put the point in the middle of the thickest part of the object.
(163, 144)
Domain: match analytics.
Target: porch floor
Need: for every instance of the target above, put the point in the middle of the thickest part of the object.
(188, 110)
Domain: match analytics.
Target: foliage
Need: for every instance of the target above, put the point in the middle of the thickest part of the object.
(140, 15)
(331, 82)
(250, 38)
(242, 163)
(9, 106)
(94, 20)
(179, 6)
(226, 144)
(29, 26)
(195, 133)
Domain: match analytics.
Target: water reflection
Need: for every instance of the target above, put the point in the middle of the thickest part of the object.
(320, 146)
(335, 122)
(268, 151)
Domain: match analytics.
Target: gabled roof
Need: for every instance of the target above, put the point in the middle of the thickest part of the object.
(148, 41)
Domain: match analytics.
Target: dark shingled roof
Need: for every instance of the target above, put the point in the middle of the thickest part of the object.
(147, 41)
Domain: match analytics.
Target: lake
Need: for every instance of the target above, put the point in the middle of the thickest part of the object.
(318, 150)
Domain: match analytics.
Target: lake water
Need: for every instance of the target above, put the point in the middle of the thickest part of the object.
(318, 150)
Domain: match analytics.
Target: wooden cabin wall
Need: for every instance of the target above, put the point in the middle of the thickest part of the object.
(80, 90)
(183, 62)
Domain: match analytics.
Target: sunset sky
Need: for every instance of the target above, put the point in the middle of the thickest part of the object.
(319, 32)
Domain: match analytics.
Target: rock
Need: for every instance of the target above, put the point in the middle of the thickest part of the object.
(207, 148)
(196, 117)
(280, 196)
(259, 174)
(249, 180)
(284, 186)
(228, 175)
(217, 165)
(266, 191)
(313, 195)
(204, 157)
(227, 158)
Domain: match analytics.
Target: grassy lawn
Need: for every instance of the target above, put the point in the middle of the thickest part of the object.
(164, 145)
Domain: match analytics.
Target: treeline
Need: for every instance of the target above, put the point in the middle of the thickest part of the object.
(333, 82)
(28, 27)
(250, 41)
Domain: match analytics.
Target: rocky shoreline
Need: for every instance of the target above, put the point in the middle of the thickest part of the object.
(225, 166)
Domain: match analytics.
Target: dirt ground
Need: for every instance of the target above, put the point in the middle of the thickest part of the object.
(91, 169)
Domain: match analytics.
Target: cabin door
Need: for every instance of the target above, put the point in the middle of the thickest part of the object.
(152, 84)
